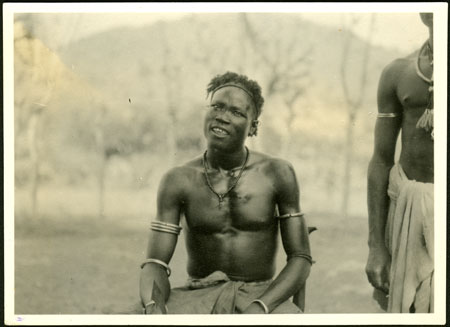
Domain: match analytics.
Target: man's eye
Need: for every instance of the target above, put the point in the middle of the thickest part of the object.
(238, 113)
(216, 107)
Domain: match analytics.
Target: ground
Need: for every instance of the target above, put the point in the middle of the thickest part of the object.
(79, 263)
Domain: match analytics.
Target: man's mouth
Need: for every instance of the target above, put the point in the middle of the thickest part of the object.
(219, 131)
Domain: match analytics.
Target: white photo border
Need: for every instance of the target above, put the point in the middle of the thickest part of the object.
(439, 10)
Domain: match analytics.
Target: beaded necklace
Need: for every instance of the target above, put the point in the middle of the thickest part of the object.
(426, 121)
(221, 196)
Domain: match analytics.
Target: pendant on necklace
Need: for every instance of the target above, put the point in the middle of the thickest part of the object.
(221, 196)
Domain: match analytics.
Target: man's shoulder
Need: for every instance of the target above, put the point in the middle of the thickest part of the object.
(400, 64)
(273, 163)
(193, 163)
(280, 171)
(185, 170)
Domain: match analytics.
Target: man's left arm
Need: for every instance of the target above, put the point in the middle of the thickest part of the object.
(294, 234)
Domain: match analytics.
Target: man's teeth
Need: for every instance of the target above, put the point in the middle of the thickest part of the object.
(219, 130)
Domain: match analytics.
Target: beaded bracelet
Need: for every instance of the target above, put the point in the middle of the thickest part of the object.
(261, 303)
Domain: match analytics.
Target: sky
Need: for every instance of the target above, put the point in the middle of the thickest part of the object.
(397, 25)
(403, 31)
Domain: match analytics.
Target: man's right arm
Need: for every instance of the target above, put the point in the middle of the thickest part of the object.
(161, 245)
(386, 134)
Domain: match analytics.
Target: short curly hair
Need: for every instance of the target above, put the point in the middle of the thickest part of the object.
(252, 87)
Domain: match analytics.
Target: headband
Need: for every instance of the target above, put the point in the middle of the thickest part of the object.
(239, 87)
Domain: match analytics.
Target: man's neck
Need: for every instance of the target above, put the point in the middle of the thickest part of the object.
(219, 159)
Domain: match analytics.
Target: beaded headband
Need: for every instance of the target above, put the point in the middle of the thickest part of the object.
(239, 87)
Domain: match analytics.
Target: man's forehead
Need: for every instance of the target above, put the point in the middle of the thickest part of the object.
(233, 93)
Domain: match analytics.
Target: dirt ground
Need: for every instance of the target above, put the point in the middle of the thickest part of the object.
(82, 264)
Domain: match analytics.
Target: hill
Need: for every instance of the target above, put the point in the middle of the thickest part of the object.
(150, 84)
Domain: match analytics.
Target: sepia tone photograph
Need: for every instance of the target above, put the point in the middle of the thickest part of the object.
(183, 161)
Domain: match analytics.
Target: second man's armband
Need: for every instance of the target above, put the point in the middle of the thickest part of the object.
(388, 115)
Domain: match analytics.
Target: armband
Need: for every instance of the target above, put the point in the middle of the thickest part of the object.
(388, 115)
(305, 256)
(159, 262)
(291, 215)
(160, 226)
(261, 303)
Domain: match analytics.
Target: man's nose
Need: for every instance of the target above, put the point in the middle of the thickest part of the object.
(222, 117)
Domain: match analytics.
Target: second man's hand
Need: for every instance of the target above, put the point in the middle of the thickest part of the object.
(378, 267)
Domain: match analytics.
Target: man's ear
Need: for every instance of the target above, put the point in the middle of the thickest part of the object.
(254, 128)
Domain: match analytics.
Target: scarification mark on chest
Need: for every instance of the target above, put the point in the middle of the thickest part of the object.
(240, 196)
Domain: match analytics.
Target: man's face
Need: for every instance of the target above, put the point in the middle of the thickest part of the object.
(229, 118)
(427, 19)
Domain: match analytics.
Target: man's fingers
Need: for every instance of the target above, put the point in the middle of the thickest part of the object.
(386, 281)
(378, 271)
(377, 281)
(154, 310)
(380, 283)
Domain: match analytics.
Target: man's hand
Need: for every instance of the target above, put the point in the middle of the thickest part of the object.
(378, 267)
(254, 308)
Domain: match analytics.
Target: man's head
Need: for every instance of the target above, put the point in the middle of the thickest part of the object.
(250, 87)
(427, 19)
(235, 105)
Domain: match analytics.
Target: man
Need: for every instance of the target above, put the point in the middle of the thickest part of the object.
(400, 197)
(229, 197)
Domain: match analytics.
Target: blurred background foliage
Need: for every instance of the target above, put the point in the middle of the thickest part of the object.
(121, 106)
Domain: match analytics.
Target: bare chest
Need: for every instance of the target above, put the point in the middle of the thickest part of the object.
(228, 202)
(412, 91)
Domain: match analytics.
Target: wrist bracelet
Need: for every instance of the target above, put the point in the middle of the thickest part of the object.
(159, 262)
(261, 303)
(144, 309)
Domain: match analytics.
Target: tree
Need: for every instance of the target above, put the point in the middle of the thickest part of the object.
(354, 101)
(213, 56)
(37, 72)
(287, 68)
(34, 86)
(171, 75)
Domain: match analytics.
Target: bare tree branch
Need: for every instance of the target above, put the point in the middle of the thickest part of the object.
(354, 104)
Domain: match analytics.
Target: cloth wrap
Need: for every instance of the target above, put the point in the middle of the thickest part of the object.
(409, 238)
(218, 294)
